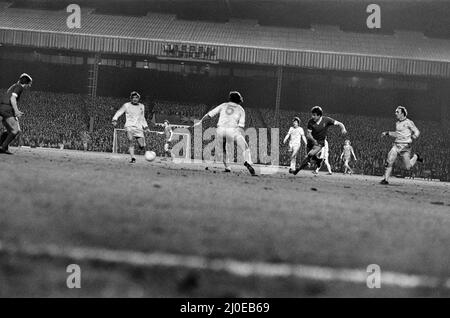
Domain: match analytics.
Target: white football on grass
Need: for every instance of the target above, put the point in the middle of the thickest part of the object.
(150, 155)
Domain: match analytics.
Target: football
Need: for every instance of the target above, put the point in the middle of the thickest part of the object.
(150, 155)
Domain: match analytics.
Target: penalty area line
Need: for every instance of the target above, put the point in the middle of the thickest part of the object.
(230, 266)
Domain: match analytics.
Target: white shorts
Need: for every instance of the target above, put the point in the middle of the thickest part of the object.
(399, 149)
(229, 133)
(135, 132)
(324, 154)
(294, 147)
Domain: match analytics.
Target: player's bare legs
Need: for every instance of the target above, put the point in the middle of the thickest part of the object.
(410, 162)
(407, 161)
(141, 143)
(392, 156)
(243, 146)
(131, 150)
(347, 168)
(387, 174)
(309, 157)
(131, 147)
(294, 151)
(13, 129)
(327, 164)
(167, 150)
(225, 157)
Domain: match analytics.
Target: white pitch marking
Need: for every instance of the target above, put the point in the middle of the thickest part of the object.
(234, 267)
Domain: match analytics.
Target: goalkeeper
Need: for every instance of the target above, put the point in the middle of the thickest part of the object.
(316, 134)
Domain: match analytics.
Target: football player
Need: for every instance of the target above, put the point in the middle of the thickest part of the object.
(324, 155)
(347, 153)
(168, 137)
(316, 134)
(10, 113)
(135, 124)
(230, 128)
(405, 132)
(295, 135)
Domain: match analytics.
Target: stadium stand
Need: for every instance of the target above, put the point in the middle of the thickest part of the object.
(177, 113)
(163, 27)
(52, 119)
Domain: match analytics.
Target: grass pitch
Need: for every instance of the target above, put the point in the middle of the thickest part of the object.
(98, 200)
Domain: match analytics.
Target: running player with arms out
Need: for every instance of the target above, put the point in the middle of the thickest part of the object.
(10, 113)
(405, 132)
(316, 134)
(231, 127)
(347, 153)
(295, 135)
(135, 124)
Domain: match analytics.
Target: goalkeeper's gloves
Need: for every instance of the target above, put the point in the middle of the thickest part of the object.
(385, 133)
(114, 123)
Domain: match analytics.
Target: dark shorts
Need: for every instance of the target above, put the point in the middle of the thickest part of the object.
(6, 111)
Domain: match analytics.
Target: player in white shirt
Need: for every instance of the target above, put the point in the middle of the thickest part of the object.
(347, 153)
(135, 122)
(405, 132)
(295, 135)
(230, 128)
(324, 154)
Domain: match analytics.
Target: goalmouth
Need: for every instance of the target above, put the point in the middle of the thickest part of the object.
(155, 142)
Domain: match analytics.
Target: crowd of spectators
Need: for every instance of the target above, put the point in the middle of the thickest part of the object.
(63, 121)
(177, 113)
(52, 120)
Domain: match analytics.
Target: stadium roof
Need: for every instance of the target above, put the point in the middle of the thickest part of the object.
(428, 16)
(240, 41)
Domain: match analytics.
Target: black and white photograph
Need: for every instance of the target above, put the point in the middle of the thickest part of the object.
(224, 149)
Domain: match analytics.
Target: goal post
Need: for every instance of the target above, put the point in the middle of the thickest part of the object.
(155, 142)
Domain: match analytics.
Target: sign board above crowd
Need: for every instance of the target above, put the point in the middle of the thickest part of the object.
(184, 51)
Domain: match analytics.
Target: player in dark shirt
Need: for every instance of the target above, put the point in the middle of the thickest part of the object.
(316, 134)
(10, 113)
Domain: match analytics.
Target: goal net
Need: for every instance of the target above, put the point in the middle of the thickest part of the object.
(155, 142)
